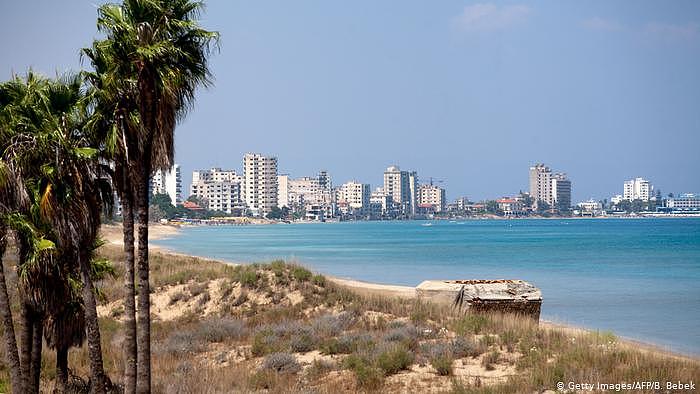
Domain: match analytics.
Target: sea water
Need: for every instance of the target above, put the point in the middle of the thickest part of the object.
(639, 278)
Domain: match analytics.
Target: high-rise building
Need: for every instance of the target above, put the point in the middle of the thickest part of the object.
(541, 184)
(402, 187)
(432, 196)
(554, 189)
(561, 192)
(354, 198)
(220, 190)
(283, 190)
(259, 183)
(637, 189)
(168, 182)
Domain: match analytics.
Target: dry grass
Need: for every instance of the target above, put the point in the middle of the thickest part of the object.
(278, 328)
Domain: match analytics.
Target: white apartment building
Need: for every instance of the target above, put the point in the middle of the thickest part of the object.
(433, 196)
(402, 187)
(552, 188)
(168, 182)
(684, 202)
(354, 198)
(219, 189)
(380, 202)
(259, 183)
(637, 189)
(590, 207)
(283, 191)
(561, 192)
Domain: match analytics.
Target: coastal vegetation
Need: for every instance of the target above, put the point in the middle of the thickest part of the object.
(277, 327)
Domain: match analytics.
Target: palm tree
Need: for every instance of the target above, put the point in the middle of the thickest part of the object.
(160, 49)
(114, 120)
(66, 188)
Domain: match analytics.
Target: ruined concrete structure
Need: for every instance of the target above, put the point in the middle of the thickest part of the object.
(502, 295)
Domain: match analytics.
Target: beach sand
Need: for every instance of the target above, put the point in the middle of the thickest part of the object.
(113, 234)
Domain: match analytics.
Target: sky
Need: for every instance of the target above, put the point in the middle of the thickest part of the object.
(469, 93)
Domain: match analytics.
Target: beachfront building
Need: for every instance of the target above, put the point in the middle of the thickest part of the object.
(561, 192)
(283, 191)
(590, 208)
(168, 182)
(309, 195)
(511, 206)
(554, 189)
(259, 184)
(432, 197)
(380, 203)
(219, 190)
(687, 202)
(402, 187)
(637, 189)
(353, 199)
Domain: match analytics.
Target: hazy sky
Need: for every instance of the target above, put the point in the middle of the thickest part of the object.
(469, 93)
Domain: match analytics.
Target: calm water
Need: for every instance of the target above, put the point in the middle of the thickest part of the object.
(638, 278)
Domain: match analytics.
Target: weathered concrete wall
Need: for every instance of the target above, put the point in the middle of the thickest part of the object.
(501, 295)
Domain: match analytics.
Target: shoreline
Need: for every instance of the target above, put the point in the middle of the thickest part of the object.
(112, 235)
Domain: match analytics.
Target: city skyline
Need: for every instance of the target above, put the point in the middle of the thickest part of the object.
(471, 93)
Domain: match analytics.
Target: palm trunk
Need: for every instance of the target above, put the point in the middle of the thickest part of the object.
(130, 353)
(25, 341)
(11, 356)
(97, 373)
(61, 384)
(35, 368)
(143, 384)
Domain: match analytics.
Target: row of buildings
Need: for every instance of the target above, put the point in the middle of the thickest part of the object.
(259, 189)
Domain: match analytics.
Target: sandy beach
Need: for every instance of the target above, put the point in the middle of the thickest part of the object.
(113, 235)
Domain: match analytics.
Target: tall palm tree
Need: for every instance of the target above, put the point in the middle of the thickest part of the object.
(160, 48)
(114, 120)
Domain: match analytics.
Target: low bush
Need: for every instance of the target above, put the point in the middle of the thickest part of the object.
(441, 358)
(319, 280)
(367, 375)
(471, 323)
(301, 274)
(489, 360)
(281, 363)
(394, 358)
(332, 325)
(465, 347)
(221, 329)
(406, 335)
(177, 297)
(346, 344)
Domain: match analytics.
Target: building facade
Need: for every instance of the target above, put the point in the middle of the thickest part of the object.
(684, 202)
(554, 189)
(259, 183)
(433, 196)
(219, 190)
(402, 187)
(637, 189)
(168, 182)
(353, 198)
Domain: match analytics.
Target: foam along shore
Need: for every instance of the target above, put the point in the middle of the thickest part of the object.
(113, 235)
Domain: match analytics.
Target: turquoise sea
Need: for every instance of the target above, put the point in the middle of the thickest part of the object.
(637, 277)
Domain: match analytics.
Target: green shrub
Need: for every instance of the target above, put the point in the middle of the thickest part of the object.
(319, 280)
(367, 375)
(265, 342)
(301, 274)
(249, 277)
(442, 363)
(470, 324)
(394, 358)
